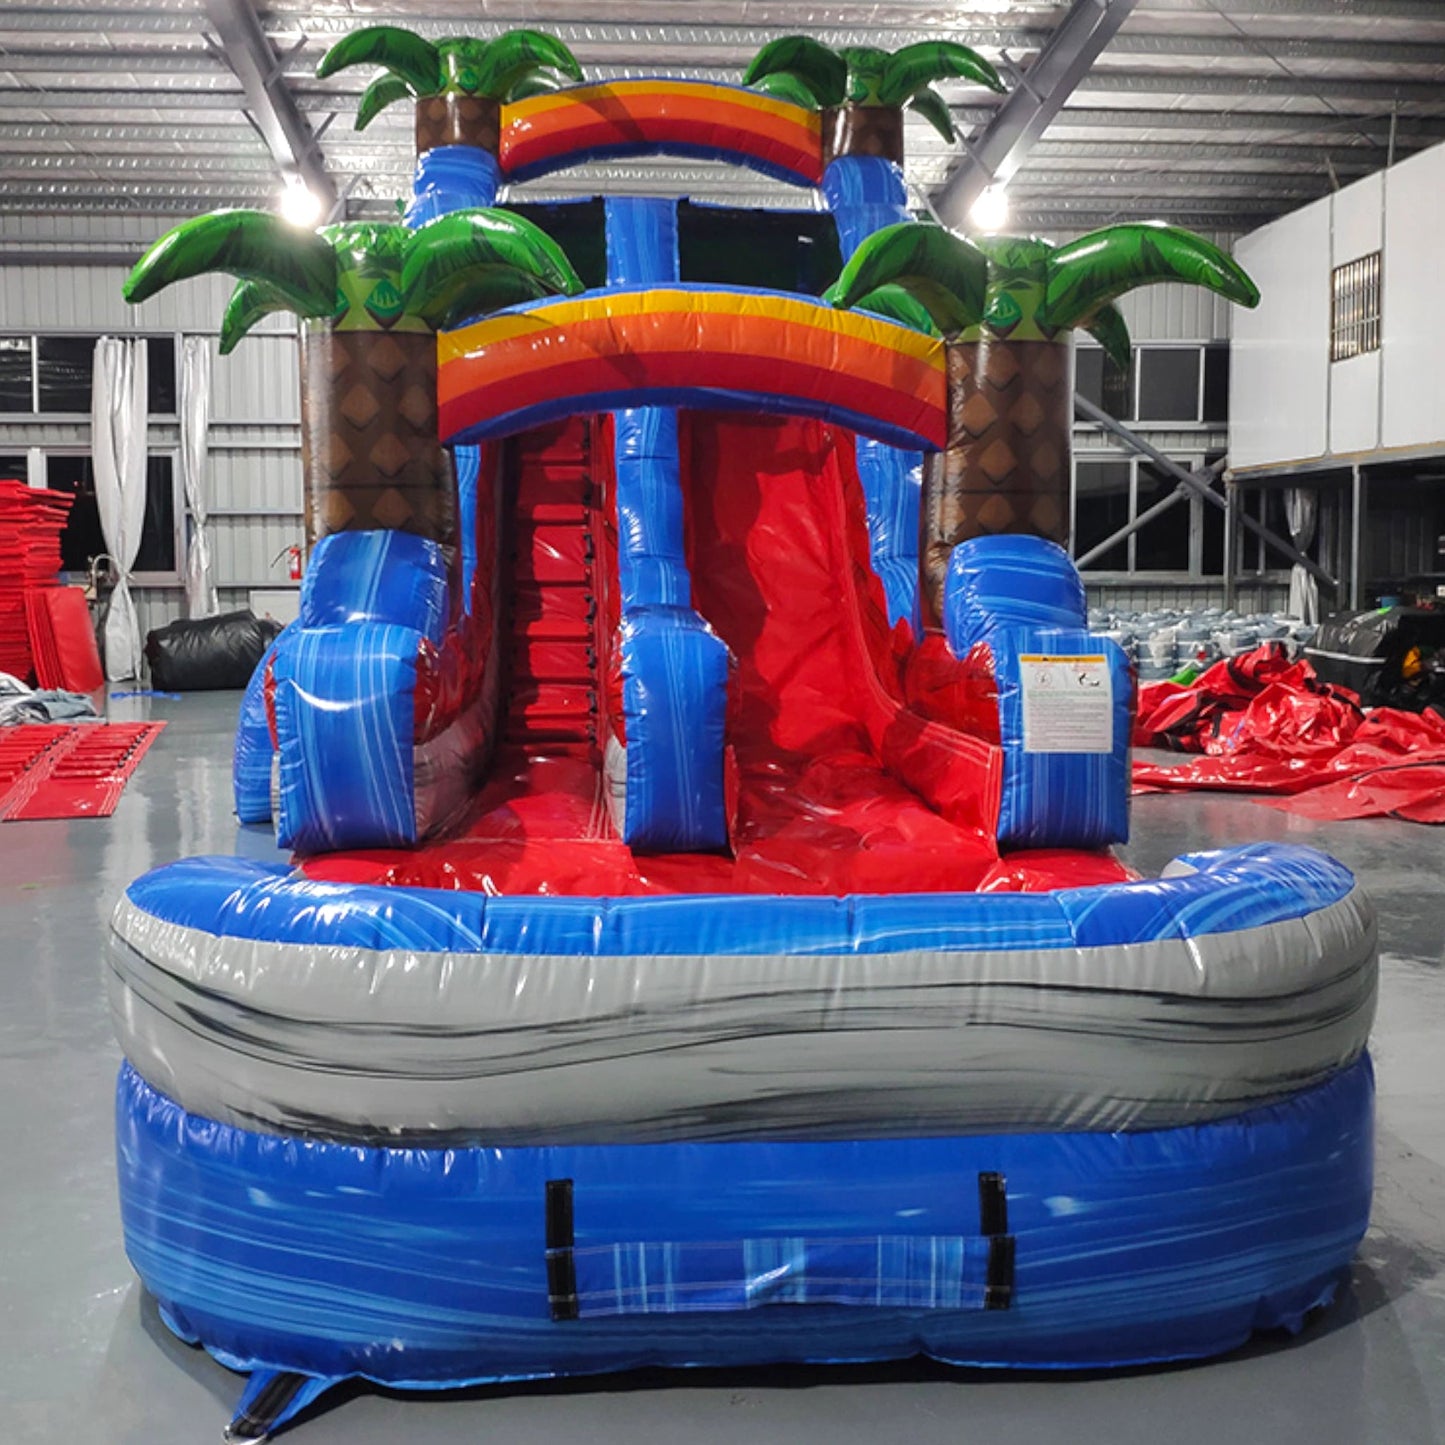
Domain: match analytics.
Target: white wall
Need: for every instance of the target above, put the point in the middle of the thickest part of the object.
(255, 462)
(1357, 227)
(1288, 402)
(1413, 304)
(1279, 366)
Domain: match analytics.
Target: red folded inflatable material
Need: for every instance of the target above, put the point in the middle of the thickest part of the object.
(74, 770)
(1269, 726)
(31, 521)
(62, 640)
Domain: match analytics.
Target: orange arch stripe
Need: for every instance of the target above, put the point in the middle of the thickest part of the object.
(549, 131)
(755, 343)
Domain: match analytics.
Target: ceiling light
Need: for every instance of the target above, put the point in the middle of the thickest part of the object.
(989, 213)
(300, 205)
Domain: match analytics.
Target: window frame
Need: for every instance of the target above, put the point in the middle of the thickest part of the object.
(180, 516)
(1358, 331)
(1131, 571)
(69, 333)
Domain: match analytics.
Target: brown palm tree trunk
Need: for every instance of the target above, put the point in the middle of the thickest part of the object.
(1006, 465)
(862, 130)
(458, 120)
(369, 447)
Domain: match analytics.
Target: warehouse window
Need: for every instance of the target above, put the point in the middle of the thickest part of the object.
(1099, 380)
(1168, 383)
(1109, 494)
(50, 375)
(82, 538)
(1102, 502)
(17, 381)
(1355, 307)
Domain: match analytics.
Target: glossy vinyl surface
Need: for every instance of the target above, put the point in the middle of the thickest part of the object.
(89, 1359)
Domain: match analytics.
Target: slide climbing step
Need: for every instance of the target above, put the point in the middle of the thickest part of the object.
(551, 696)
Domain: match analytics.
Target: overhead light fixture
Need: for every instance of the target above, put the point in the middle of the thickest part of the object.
(989, 213)
(300, 205)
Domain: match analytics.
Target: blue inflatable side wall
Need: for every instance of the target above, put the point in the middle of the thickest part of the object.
(1229, 889)
(418, 1266)
(865, 194)
(674, 667)
(1065, 696)
(344, 690)
(251, 756)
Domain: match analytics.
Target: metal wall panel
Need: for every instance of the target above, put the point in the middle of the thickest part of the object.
(1149, 596)
(255, 460)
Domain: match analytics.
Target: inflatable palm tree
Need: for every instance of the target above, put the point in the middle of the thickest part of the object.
(1006, 307)
(371, 296)
(459, 84)
(862, 91)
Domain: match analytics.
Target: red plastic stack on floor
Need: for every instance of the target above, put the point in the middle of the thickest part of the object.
(31, 522)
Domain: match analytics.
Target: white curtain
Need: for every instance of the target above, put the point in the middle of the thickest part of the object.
(195, 417)
(118, 454)
(1301, 509)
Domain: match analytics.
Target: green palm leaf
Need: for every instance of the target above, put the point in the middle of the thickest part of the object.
(1108, 327)
(934, 109)
(250, 245)
(402, 52)
(1085, 274)
(909, 70)
(513, 57)
(382, 92)
(790, 86)
(445, 254)
(452, 299)
(945, 273)
(866, 66)
(893, 303)
(250, 302)
(823, 71)
(541, 82)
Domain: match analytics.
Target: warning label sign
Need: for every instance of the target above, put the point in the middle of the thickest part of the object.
(1068, 704)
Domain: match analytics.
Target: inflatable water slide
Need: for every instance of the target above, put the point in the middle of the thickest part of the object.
(704, 942)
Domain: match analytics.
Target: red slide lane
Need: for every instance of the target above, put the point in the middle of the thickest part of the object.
(831, 770)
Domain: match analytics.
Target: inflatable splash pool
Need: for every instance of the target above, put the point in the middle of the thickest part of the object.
(704, 943)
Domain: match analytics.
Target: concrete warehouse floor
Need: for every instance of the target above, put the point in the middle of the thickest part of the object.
(84, 1357)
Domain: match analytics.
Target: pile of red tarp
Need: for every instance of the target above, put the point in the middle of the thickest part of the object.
(31, 521)
(1268, 725)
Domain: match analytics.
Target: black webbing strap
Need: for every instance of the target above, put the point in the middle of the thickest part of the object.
(561, 1267)
(993, 1225)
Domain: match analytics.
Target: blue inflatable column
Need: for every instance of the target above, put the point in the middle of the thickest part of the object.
(865, 194)
(447, 179)
(666, 786)
(1065, 695)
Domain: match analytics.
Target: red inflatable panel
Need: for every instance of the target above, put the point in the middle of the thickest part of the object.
(836, 785)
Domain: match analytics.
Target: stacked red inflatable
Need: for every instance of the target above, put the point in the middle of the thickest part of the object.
(31, 521)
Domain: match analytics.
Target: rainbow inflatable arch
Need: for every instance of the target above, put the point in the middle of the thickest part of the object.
(693, 951)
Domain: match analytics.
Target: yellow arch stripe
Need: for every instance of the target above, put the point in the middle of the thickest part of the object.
(550, 315)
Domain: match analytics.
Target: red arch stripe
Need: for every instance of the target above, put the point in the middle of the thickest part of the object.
(547, 132)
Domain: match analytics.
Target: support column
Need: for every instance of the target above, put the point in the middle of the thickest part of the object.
(665, 779)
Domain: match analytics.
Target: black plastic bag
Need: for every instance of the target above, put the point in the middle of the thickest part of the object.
(1391, 656)
(209, 654)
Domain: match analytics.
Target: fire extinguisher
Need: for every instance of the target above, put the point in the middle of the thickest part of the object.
(292, 554)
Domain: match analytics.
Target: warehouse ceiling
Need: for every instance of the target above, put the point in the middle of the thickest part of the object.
(1215, 113)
